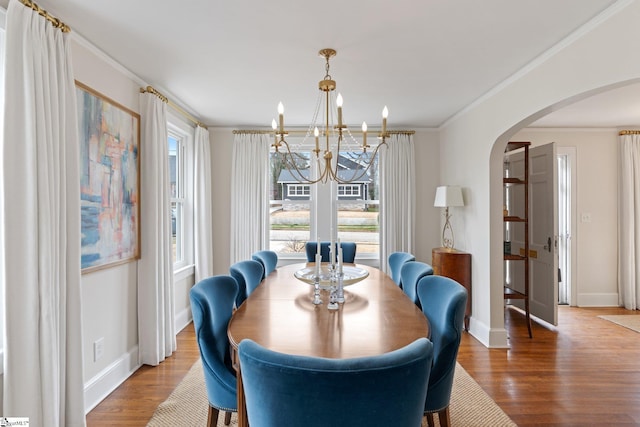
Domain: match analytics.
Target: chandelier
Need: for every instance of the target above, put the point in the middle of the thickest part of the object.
(342, 158)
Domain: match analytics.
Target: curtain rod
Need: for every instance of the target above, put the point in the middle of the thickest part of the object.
(304, 132)
(152, 90)
(55, 21)
(629, 132)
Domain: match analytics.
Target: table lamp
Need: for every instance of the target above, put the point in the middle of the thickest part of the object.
(448, 196)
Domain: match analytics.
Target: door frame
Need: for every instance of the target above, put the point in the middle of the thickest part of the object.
(572, 160)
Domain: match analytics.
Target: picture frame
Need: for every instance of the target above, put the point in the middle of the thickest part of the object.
(109, 180)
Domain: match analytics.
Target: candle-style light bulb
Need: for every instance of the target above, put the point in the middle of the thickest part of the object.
(339, 104)
(385, 114)
(281, 116)
(274, 126)
(316, 133)
(364, 134)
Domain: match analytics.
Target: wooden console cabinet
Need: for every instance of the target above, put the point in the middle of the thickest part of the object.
(456, 265)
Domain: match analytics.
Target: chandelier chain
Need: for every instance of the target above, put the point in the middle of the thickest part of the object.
(332, 163)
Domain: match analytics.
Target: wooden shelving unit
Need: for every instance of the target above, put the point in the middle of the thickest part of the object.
(523, 221)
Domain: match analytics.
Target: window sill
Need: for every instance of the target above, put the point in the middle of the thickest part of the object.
(182, 273)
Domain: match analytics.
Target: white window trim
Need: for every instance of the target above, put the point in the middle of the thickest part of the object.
(177, 126)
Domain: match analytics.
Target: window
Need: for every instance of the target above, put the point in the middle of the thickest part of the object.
(345, 190)
(358, 203)
(292, 206)
(176, 178)
(289, 207)
(180, 180)
(296, 190)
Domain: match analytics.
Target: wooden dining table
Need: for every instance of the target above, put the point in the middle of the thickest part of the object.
(376, 318)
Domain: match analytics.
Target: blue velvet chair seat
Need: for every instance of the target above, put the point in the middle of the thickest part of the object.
(443, 302)
(396, 261)
(348, 251)
(268, 259)
(248, 274)
(411, 273)
(212, 301)
(383, 390)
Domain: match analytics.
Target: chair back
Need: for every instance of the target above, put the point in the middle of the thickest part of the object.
(443, 302)
(212, 301)
(268, 259)
(248, 274)
(411, 273)
(387, 389)
(348, 251)
(396, 261)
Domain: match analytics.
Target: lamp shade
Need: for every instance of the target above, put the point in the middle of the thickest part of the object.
(448, 195)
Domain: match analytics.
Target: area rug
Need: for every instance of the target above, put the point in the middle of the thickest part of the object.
(629, 321)
(187, 405)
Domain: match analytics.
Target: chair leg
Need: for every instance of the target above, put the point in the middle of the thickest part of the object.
(430, 421)
(443, 416)
(212, 417)
(227, 418)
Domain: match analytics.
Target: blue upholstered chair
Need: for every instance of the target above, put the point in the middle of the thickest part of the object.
(384, 390)
(396, 261)
(443, 302)
(268, 259)
(411, 273)
(212, 301)
(248, 274)
(348, 251)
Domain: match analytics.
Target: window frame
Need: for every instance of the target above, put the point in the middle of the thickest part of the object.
(185, 134)
(318, 193)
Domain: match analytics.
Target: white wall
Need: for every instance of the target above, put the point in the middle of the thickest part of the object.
(109, 296)
(472, 144)
(596, 194)
(427, 217)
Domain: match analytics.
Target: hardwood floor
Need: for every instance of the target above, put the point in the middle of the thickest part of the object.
(586, 372)
(133, 403)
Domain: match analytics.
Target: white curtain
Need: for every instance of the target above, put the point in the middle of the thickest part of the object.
(629, 222)
(202, 206)
(249, 195)
(43, 365)
(397, 197)
(156, 329)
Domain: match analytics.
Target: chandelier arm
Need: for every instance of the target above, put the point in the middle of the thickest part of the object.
(327, 167)
(364, 172)
(291, 165)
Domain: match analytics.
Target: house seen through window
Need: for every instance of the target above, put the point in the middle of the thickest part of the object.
(291, 203)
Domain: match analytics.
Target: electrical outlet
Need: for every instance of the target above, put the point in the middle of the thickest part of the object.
(98, 349)
(586, 217)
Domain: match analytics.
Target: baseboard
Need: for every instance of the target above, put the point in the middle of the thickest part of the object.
(100, 386)
(491, 338)
(598, 300)
(110, 378)
(182, 319)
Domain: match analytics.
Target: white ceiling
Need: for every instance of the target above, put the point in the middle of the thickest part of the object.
(231, 62)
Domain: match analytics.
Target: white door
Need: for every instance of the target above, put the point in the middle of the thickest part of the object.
(543, 233)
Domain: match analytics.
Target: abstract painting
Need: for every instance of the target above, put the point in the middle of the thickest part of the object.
(109, 180)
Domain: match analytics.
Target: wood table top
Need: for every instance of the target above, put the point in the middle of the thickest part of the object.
(377, 317)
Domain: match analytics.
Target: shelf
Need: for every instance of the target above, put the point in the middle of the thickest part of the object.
(513, 294)
(513, 181)
(524, 253)
(516, 145)
(510, 218)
